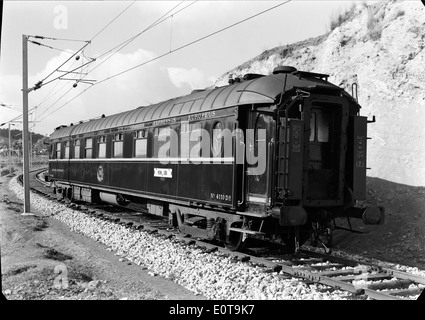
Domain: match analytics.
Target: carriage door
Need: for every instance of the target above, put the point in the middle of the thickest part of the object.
(257, 140)
(324, 151)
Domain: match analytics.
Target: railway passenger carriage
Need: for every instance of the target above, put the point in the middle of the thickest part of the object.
(274, 157)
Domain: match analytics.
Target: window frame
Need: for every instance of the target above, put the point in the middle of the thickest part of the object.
(260, 117)
(77, 148)
(157, 144)
(101, 146)
(58, 146)
(117, 139)
(139, 136)
(194, 126)
(67, 149)
(317, 132)
(313, 134)
(86, 148)
(216, 139)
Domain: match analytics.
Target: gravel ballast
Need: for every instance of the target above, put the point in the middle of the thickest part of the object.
(214, 275)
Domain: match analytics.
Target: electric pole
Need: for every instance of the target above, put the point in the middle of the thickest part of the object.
(10, 152)
(25, 146)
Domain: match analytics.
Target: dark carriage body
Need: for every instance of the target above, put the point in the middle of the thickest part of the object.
(310, 162)
(149, 176)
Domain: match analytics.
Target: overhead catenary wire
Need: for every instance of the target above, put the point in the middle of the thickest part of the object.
(112, 20)
(51, 38)
(67, 72)
(125, 43)
(128, 41)
(50, 47)
(172, 51)
(41, 82)
(154, 24)
(194, 41)
(82, 50)
(48, 108)
(171, 31)
(50, 95)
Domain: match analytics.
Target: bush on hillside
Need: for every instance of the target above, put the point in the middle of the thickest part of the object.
(373, 26)
(340, 18)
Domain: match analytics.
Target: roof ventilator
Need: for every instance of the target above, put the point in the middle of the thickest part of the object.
(284, 69)
(251, 76)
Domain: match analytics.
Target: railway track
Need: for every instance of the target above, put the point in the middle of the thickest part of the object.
(363, 280)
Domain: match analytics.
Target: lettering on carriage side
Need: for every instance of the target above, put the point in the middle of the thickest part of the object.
(221, 197)
(165, 121)
(163, 172)
(57, 170)
(202, 115)
(360, 152)
(135, 126)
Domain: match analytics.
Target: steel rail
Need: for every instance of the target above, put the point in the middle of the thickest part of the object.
(308, 273)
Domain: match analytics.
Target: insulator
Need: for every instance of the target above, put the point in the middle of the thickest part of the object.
(77, 58)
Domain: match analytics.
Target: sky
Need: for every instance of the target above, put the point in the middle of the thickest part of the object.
(158, 64)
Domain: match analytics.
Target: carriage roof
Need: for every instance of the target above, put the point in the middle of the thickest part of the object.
(260, 89)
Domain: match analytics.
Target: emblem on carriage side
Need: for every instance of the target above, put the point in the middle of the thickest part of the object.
(100, 173)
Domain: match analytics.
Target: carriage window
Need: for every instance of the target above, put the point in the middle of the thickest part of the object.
(258, 154)
(260, 138)
(101, 147)
(88, 149)
(313, 127)
(195, 131)
(58, 150)
(66, 150)
(184, 138)
(319, 126)
(140, 144)
(157, 141)
(217, 138)
(191, 134)
(51, 150)
(118, 145)
(76, 149)
(323, 127)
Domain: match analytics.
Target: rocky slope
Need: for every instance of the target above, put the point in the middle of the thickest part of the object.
(381, 48)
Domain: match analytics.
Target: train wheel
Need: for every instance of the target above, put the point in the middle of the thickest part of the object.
(322, 236)
(172, 219)
(179, 218)
(297, 239)
(236, 241)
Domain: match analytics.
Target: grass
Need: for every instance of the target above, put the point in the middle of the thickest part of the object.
(19, 270)
(56, 255)
(50, 253)
(399, 13)
(374, 26)
(286, 51)
(340, 17)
